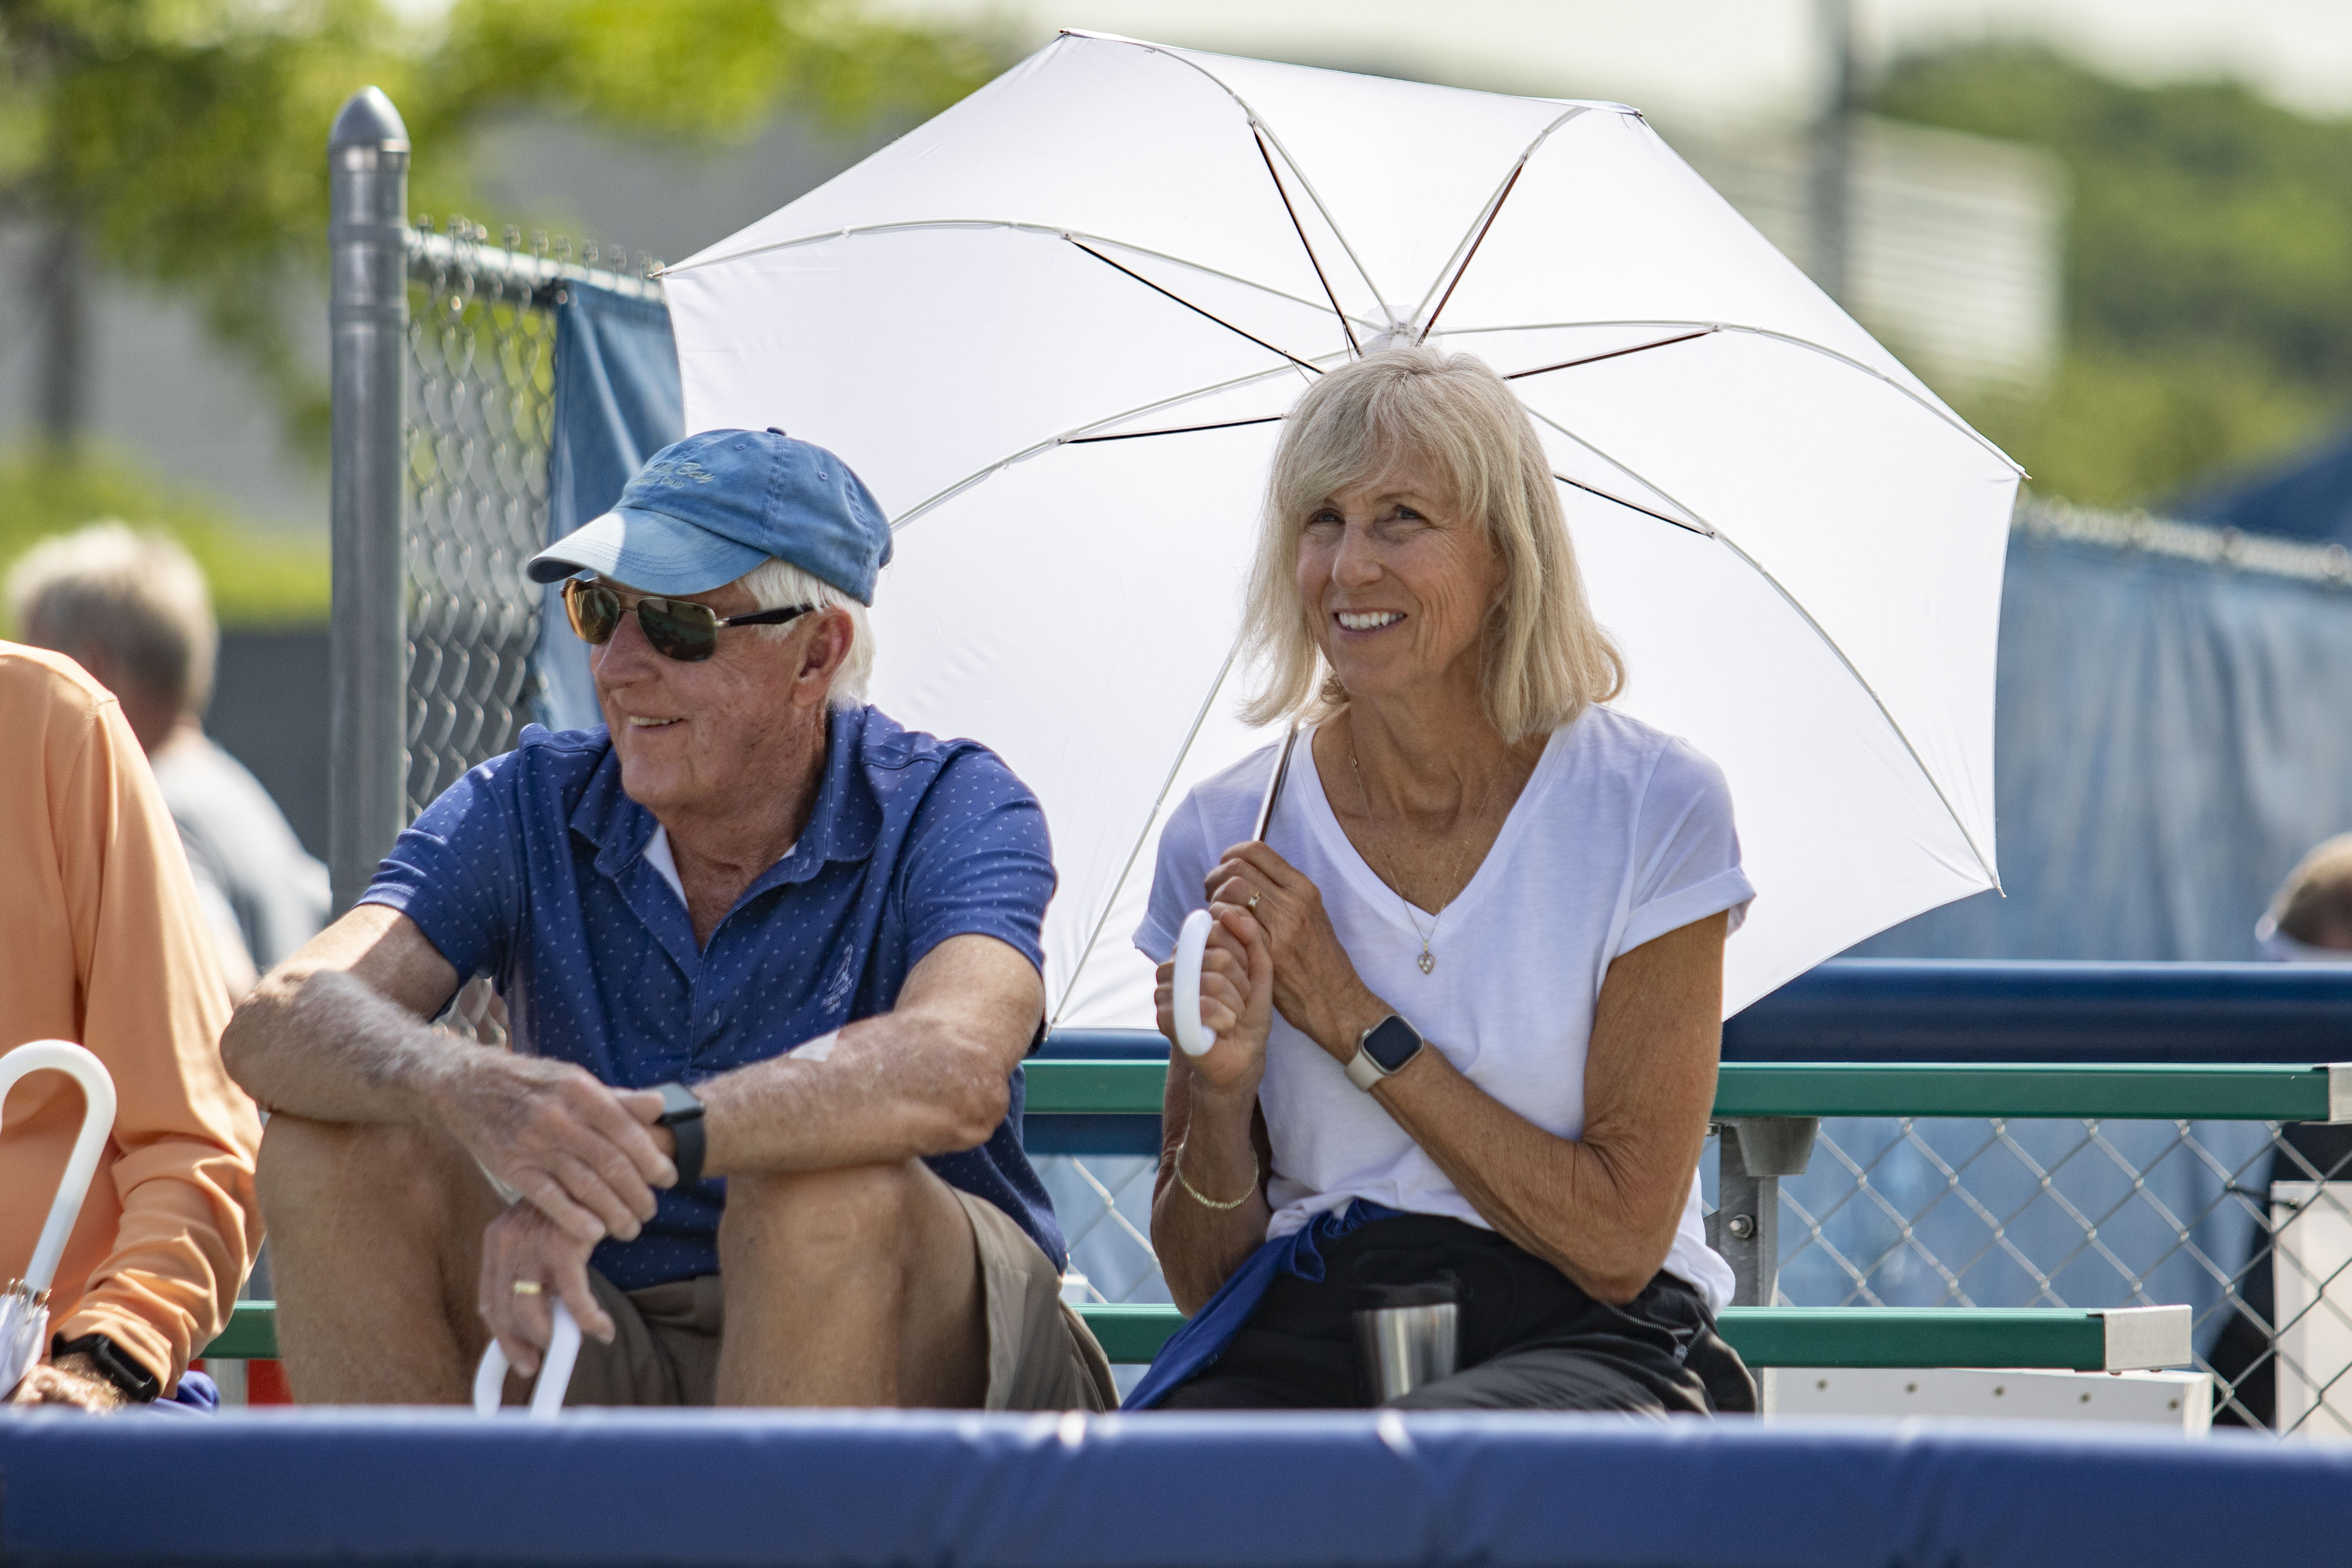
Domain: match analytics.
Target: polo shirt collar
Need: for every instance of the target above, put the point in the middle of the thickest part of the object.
(841, 826)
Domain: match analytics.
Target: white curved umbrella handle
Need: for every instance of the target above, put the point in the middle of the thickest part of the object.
(554, 1372)
(1193, 941)
(97, 1126)
(1191, 948)
(24, 1305)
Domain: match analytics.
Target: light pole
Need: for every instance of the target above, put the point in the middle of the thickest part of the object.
(1831, 193)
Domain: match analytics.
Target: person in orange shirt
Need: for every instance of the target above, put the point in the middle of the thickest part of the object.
(101, 942)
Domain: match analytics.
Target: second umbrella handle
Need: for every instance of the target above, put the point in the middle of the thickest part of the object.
(554, 1370)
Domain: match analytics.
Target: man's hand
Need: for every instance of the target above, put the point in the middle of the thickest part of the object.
(523, 1243)
(74, 1382)
(581, 1151)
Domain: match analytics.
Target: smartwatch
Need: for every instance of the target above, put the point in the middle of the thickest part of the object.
(682, 1114)
(1382, 1050)
(114, 1363)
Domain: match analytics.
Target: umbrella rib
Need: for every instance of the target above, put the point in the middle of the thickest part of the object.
(1178, 430)
(1693, 523)
(1258, 124)
(965, 483)
(1492, 213)
(1612, 353)
(1167, 783)
(1486, 214)
(1196, 310)
(1259, 137)
(1954, 420)
(1039, 230)
(1820, 631)
(1631, 506)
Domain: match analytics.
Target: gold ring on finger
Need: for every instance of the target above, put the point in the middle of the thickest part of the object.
(1252, 905)
(529, 1287)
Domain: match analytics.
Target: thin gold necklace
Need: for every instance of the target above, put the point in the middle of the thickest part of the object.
(1428, 960)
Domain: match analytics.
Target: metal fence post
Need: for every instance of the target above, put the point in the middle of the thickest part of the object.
(367, 161)
(1755, 1153)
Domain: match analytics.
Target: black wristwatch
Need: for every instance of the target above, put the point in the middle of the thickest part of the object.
(682, 1114)
(1382, 1049)
(114, 1363)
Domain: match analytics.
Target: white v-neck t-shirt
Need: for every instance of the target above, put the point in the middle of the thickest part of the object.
(1623, 834)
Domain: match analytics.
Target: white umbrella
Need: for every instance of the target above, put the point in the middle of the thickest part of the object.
(1055, 329)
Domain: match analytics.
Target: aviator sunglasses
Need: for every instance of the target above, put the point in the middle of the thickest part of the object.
(676, 628)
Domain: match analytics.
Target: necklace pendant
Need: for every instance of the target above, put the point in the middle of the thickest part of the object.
(1428, 961)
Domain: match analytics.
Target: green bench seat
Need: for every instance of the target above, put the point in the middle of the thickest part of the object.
(2045, 1337)
(2256, 1092)
(1124, 1096)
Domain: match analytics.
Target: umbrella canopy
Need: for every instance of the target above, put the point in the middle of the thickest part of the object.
(1055, 328)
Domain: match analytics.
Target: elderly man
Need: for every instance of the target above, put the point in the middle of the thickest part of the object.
(751, 930)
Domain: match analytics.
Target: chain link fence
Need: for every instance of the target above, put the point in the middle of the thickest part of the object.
(1918, 1212)
(1892, 1212)
(478, 422)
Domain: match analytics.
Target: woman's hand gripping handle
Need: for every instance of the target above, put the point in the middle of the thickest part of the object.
(1193, 1036)
(1215, 997)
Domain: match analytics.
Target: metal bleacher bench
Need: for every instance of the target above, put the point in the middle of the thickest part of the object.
(1098, 1093)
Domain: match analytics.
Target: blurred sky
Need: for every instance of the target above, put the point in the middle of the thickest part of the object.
(1714, 60)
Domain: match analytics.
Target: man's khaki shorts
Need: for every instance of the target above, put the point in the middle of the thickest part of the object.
(1041, 1356)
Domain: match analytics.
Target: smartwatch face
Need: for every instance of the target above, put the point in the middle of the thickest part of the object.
(1392, 1043)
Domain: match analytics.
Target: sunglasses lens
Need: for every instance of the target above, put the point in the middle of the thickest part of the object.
(594, 611)
(686, 632)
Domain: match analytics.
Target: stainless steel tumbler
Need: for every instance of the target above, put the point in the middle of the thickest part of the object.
(1410, 1337)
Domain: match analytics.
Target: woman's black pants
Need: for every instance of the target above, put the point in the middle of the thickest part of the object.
(1529, 1339)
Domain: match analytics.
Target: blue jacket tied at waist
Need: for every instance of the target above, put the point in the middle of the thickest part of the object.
(1203, 1340)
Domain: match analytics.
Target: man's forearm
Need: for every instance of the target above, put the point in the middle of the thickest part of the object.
(327, 1046)
(892, 1088)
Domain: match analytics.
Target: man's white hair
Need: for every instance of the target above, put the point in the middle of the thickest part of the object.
(774, 583)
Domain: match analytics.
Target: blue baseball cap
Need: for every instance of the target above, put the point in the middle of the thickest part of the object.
(707, 509)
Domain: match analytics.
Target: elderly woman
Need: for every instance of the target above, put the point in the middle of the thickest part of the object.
(1466, 995)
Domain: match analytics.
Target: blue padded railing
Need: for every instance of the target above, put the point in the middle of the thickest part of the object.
(1892, 1010)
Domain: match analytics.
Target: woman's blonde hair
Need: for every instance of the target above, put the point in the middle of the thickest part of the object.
(1545, 658)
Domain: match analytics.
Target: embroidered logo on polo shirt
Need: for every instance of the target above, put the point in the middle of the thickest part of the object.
(836, 990)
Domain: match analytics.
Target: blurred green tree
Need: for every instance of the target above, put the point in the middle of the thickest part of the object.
(181, 143)
(2208, 266)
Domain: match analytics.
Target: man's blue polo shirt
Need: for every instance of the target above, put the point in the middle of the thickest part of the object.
(532, 869)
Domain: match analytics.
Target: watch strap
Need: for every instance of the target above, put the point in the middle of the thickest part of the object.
(682, 1114)
(116, 1365)
(1362, 1071)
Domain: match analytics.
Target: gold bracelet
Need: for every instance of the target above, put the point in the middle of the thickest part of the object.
(1212, 1203)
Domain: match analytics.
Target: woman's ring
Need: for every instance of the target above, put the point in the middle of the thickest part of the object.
(529, 1287)
(1252, 905)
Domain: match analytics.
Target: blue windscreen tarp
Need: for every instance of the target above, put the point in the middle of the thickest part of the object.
(618, 401)
(2171, 737)
(2308, 496)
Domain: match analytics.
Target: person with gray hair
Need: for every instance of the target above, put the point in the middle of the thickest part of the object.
(1466, 989)
(771, 963)
(132, 609)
